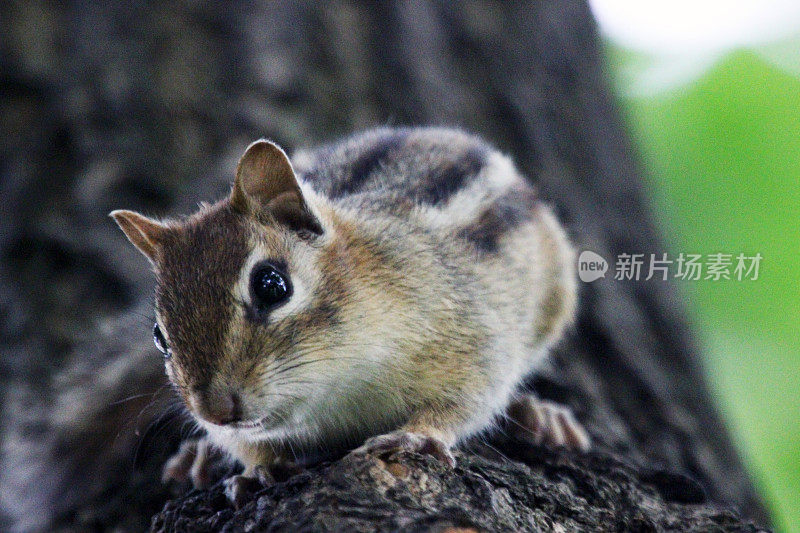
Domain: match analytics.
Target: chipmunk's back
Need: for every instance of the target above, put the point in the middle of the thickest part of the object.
(441, 178)
(426, 165)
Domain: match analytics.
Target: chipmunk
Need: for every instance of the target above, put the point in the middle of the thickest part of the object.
(388, 291)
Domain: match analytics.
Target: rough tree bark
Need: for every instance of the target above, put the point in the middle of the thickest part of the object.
(141, 106)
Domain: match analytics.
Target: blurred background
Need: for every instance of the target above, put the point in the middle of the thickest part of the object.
(711, 94)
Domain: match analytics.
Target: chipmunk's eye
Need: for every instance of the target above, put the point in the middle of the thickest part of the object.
(160, 341)
(270, 287)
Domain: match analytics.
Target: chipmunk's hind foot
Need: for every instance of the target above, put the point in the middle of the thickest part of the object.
(546, 423)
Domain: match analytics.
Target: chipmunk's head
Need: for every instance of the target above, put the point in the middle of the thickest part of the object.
(249, 298)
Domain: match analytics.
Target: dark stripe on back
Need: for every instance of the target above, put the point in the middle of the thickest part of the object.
(445, 181)
(366, 163)
(509, 211)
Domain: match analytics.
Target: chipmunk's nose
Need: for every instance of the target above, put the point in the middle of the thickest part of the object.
(219, 408)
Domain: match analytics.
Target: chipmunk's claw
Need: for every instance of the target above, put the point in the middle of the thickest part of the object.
(239, 489)
(191, 461)
(547, 423)
(404, 440)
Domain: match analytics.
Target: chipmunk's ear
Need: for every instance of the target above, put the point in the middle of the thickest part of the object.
(265, 181)
(144, 233)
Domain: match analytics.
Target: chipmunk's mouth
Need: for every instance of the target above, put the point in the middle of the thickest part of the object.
(261, 423)
(276, 419)
(258, 426)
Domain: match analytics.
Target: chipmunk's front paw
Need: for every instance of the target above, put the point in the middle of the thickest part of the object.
(547, 423)
(193, 461)
(240, 488)
(404, 440)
